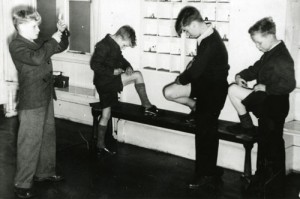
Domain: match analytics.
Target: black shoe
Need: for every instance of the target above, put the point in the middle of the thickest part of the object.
(151, 111)
(219, 172)
(201, 182)
(24, 193)
(191, 117)
(54, 178)
(247, 134)
(104, 152)
(255, 186)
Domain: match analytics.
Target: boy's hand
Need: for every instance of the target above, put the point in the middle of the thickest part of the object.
(129, 71)
(61, 26)
(260, 87)
(240, 81)
(57, 36)
(118, 71)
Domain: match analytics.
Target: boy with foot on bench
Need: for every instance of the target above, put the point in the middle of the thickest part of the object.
(206, 79)
(111, 73)
(268, 100)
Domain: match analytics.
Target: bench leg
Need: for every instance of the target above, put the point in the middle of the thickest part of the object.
(247, 166)
(96, 114)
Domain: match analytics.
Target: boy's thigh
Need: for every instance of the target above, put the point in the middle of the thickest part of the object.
(178, 90)
(239, 92)
(128, 79)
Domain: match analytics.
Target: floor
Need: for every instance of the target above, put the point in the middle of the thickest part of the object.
(133, 173)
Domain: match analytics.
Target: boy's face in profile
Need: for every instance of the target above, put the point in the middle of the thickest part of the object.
(29, 30)
(125, 43)
(262, 42)
(192, 29)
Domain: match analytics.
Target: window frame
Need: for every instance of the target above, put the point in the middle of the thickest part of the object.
(63, 6)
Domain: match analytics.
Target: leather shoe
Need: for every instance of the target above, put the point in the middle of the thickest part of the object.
(201, 181)
(104, 152)
(219, 171)
(54, 178)
(24, 193)
(190, 118)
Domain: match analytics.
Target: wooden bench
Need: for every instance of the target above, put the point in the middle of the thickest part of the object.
(170, 120)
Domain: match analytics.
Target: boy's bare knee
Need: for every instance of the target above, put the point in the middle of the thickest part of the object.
(232, 89)
(168, 94)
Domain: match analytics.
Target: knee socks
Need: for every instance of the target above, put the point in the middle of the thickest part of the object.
(101, 136)
(246, 121)
(141, 90)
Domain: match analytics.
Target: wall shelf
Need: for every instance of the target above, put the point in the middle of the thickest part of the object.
(163, 50)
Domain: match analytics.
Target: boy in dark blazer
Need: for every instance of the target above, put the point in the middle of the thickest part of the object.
(111, 73)
(36, 146)
(205, 79)
(268, 100)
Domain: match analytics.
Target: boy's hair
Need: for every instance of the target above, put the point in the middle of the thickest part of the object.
(127, 33)
(263, 26)
(25, 16)
(186, 16)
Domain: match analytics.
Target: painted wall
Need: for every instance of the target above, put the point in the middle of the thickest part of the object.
(115, 13)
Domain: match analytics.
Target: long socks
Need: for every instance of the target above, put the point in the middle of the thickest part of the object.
(141, 90)
(246, 121)
(101, 136)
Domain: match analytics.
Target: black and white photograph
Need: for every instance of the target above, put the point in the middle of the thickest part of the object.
(150, 99)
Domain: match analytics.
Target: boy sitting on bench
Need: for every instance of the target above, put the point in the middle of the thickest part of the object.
(111, 73)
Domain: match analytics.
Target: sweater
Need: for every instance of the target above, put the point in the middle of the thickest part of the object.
(275, 69)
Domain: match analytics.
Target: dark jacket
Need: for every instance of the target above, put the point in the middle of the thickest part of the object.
(275, 69)
(107, 57)
(34, 66)
(210, 63)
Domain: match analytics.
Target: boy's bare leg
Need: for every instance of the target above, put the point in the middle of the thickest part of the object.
(137, 78)
(103, 127)
(236, 94)
(246, 129)
(180, 94)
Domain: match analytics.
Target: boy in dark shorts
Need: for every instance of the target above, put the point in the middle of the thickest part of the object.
(268, 100)
(111, 73)
(206, 79)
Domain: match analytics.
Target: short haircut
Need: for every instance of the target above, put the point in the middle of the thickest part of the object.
(263, 26)
(25, 16)
(127, 33)
(186, 16)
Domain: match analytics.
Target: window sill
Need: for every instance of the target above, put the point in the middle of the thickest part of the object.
(76, 95)
(72, 57)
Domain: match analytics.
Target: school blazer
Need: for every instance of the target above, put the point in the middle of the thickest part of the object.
(107, 57)
(34, 66)
(275, 69)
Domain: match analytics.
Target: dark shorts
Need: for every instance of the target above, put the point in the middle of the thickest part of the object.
(194, 91)
(254, 102)
(108, 93)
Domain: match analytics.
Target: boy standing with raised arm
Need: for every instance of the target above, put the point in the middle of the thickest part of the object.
(36, 146)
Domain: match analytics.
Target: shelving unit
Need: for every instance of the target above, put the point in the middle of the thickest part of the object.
(163, 49)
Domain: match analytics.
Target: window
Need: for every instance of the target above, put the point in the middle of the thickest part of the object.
(47, 10)
(77, 14)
